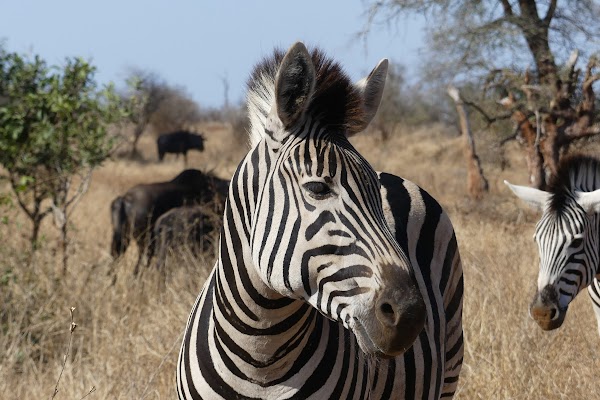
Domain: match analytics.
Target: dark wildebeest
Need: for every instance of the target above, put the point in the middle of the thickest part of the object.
(134, 213)
(179, 143)
(191, 226)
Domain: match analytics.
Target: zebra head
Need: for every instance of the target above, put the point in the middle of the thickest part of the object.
(319, 232)
(567, 239)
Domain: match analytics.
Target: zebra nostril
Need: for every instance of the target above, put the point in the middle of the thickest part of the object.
(386, 308)
(387, 314)
(553, 314)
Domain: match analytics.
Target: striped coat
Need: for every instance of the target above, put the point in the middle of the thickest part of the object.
(332, 281)
(568, 238)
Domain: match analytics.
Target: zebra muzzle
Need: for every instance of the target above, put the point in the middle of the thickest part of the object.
(400, 315)
(545, 310)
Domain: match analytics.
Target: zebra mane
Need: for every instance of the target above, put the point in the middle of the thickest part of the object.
(336, 102)
(577, 172)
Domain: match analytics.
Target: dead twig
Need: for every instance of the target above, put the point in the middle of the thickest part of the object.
(66, 356)
(92, 390)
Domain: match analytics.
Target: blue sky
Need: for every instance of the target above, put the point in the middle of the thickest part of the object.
(195, 44)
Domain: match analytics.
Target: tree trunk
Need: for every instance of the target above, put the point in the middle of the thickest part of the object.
(563, 123)
(535, 32)
(134, 150)
(544, 60)
(33, 242)
(35, 232)
(64, 247)
(551, 146)
(137, 133)
(534, 157)
(476, 182)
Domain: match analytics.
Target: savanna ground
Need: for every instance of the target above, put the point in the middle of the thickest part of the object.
(129, 330)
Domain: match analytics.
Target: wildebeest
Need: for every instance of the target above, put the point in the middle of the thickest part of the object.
(189, 226)
(135, 212)
(179, 143)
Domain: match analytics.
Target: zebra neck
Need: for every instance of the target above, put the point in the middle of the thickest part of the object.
(263, 329)
(261, 334)
(264, 361)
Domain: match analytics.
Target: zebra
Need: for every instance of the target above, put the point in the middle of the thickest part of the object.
(568, 238)
(332, 281)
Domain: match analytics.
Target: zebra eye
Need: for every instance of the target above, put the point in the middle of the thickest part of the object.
(317, 189)
(577, 242)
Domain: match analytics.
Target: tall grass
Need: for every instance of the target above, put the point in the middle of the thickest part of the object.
(129, 330)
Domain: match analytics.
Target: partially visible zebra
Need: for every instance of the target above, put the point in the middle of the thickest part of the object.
(568, 238)
(332, 281)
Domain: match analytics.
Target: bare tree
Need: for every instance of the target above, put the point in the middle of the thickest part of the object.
(176, 111)
(146, 93)
(476, 182)
(225, 82)
(405, 104)
(152, 101)
(493, 41)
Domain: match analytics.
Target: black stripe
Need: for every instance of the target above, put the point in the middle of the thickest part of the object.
(319, 377)
(424, 257)
(207, 369)
(400, 198)
(450, 354)
(410, 371)
(456, 300)
(280, 230)
(451, 249)
(389, 381)
(319, 223)
(325, 250)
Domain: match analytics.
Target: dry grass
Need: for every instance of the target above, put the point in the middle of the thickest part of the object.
(128, 333)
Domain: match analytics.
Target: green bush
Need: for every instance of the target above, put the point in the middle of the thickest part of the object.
(53, 128)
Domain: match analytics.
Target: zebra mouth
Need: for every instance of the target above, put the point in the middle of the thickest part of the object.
(546, 309)
(368, 345)
(365, 342)
(548, 318)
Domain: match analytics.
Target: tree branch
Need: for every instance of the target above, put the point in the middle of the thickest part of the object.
(590, 77)
(529, 9)
(495, 24)
(571, 135)
(489, 119)
(81, 190)
(550, 13)
(507, 7)
(573, 73)
(13, 185)
(509, 138)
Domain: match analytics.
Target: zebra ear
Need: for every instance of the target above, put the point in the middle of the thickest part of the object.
(294, 84)
(371, 89)
(536, 198)
(590, 201)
